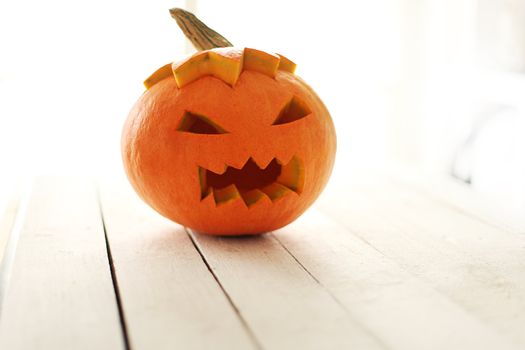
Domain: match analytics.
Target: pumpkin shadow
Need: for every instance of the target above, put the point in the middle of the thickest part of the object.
(257, 259)
(229, 246)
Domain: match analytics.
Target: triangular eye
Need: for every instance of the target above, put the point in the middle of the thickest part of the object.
(199, 124)
(295, 109)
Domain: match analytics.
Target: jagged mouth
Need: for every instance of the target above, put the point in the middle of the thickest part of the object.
(252, 183)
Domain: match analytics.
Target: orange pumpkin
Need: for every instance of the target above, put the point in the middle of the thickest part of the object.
(229, 141)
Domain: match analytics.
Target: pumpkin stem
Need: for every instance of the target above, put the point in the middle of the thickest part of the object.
(200, 35)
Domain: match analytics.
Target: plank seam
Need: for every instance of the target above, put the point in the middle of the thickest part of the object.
(422, 279)
(297, 261)
(379, 341)
(245, 325)
(123, 325)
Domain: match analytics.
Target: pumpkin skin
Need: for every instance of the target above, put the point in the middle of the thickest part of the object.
(176, 169)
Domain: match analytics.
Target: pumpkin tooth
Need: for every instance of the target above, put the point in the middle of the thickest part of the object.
(275, 191)
(253, 196)
(226, 194)
(262, 162)
(208, 201)
(218, 169)
(205, 194)
(239, 165)
(292, 175)
(284, 156)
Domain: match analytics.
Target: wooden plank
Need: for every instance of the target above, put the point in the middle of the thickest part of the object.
(169, 298)
(60, 294)
(463, 198)
(402, 310)
(285, 307)
(15, 201)
(8, 213)
(476, 265)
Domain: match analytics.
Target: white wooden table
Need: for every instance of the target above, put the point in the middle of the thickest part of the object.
(380, 263)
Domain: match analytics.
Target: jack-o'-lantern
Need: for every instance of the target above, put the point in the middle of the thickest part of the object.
(228, 141)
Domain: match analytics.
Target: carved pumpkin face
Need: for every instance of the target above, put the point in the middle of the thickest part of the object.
(229, 141)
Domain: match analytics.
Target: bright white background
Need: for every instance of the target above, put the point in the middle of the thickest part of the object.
(403, 79)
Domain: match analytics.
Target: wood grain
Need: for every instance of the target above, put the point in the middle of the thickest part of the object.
(478, 266)
(60, 294)
(169, 298)
(285, 307)
(404, 311)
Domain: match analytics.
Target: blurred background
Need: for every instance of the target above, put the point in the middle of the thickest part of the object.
(432, 85)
